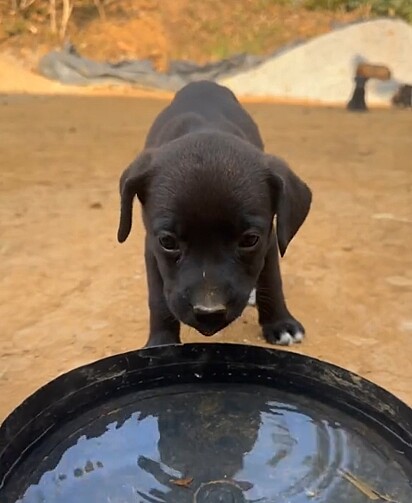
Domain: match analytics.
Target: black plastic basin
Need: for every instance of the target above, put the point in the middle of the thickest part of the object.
(217, 423)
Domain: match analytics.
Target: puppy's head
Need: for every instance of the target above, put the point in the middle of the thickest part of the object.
(208, 207)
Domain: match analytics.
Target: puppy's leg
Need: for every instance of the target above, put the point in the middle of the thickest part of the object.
(164, 327)
(278, 325)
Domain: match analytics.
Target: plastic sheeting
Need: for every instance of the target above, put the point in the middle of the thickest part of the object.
(69, 67)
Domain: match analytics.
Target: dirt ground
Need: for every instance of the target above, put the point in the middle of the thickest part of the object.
(69, 294)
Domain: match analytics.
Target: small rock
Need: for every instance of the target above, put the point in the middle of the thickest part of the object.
(406, 326)
(78, 472)
(96, 206)
(89, 467)
(401, 281)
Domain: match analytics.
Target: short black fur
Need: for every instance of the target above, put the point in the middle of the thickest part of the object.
(209, 195)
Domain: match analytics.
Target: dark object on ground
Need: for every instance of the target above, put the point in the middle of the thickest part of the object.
(403, 97)
(364, 72)
(209, 195)
(357, 103)
(245, 423)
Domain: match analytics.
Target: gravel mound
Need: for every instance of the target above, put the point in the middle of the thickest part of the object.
(322, 69)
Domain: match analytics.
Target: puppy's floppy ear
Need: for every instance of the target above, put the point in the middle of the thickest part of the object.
(291, 200)
(133, 182)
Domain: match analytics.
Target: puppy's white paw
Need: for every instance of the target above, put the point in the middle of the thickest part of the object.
(284, 332)
(287, 339)
(252, 298)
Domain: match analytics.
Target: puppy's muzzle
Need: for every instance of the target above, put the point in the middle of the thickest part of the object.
(210, 318)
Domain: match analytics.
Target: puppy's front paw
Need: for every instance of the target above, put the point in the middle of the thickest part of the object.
(284, 332)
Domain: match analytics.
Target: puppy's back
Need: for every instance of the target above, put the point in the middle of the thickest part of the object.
(201, 106)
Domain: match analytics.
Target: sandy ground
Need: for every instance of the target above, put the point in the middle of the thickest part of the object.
(69, 294)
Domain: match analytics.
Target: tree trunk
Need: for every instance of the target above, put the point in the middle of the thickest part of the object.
(52, 14)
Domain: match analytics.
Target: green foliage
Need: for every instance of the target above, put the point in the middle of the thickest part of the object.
(398, 8)
(15, 27)
(345, 5)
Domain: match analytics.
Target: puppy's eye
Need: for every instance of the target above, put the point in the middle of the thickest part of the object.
(169, 242)
(249, 240)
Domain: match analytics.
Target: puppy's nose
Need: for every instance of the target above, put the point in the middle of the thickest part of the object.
(210, 318)
(202, 310)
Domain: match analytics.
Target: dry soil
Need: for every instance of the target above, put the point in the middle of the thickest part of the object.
(69, 294)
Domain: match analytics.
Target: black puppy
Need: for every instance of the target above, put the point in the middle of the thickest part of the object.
(209, 195)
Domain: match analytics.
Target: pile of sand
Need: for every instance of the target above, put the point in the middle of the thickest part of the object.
(322, 69)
